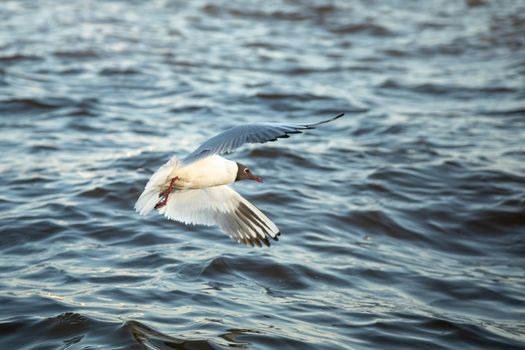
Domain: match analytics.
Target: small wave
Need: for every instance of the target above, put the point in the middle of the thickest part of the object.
(214, 10)
(64, 331)
(367, 28)
(148, 261)
(508, 221)
(373, 222)
(16, 58)
(446, 90)
(274, 152)
(43, 148)
(288, 96)
(118, 279)
(109, 72)
(79, 54)
(153, 339)
(18, 105)
(263, 270)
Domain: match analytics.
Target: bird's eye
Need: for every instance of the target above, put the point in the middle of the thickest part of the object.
(247, 171)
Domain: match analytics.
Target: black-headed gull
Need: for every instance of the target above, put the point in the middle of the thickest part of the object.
(194, 190)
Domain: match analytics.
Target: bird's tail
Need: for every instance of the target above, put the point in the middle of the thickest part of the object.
(151, 194)
(147, 201)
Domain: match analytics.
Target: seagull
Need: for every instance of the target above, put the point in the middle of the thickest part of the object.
(195, 189)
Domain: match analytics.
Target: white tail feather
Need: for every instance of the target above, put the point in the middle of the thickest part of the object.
(147, 200)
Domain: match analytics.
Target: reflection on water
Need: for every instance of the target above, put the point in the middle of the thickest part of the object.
(402, 223)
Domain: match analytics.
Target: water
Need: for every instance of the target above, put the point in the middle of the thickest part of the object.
(402, 223)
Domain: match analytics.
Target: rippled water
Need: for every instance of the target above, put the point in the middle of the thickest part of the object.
(402, 223)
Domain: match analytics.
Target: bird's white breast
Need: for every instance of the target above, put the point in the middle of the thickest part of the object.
(207, 172)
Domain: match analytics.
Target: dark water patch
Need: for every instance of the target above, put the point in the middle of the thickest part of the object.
(21, 105)
(97, 192)
(119, 279)
(405, 177)
(43, 148)
(396, 53)
(65, 331)
(363, 28)
(262, 270)
(72, 212)
(147, 160)
(130, 163)
(20, 249)
(279, 342)
(116, 194)
(507, 112)
(191, 109)
(376, 222)
(275, 15)
(283, 155)
(15, 305)
(300, 71)
(17, 58)
(119, 71)
(452, 49)
(79, 124)
(152, 339)
(33, 230)
(284, 96)
(263, 45)
(33, 179)
(452, 333)
(454, 91)
(77, 54)
(138, 240)
(497, 222)
(279, 15)
(150, 261)
(385, 191)
(270, 196)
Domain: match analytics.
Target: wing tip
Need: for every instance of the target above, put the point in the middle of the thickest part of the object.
(258, 240)
(312, 126)
(261, 242)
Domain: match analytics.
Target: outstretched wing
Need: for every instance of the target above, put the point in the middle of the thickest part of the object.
(221, 205)
(235, 137)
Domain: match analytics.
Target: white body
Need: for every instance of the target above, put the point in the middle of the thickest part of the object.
(207, 172)
(201, 196)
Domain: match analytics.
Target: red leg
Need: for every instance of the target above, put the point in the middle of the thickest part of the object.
(165, 194)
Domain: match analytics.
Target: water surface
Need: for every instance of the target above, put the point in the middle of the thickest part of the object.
(402, 223)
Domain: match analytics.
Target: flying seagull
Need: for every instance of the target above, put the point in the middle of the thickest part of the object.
(194, 190)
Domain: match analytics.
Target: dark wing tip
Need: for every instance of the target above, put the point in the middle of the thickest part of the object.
(256, 241)
(311, 126)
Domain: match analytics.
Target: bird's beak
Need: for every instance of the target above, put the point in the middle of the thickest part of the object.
(256, 178)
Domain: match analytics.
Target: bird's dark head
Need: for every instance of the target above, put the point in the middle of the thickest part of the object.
(243, 173)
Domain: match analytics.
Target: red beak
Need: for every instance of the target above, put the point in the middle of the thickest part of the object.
(256, 178)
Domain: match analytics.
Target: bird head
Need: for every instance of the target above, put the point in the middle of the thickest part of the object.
(243, 173)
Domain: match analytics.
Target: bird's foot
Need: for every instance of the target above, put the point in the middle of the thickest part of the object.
(165, 194)
(161, 203)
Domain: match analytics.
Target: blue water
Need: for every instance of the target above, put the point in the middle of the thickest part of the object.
(402, 223)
